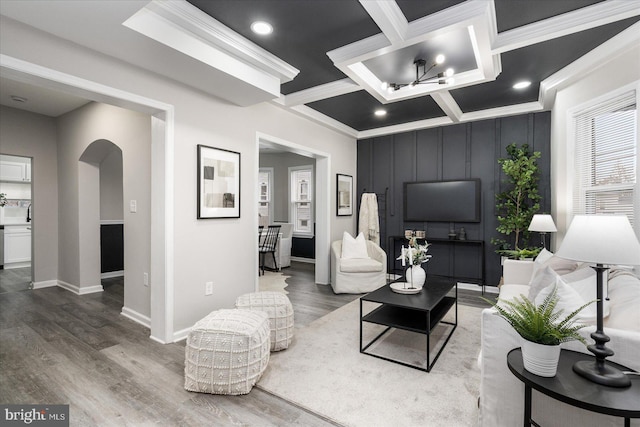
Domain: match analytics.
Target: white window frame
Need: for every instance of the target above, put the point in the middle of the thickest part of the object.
(572, 138)
(270, 189)
(292, 203)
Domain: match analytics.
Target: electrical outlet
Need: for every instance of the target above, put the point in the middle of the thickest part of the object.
(208, 288)
(146, 279)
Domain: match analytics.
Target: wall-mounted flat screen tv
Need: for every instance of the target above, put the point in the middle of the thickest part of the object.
(442, 201)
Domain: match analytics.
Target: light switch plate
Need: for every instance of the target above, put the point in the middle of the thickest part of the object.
(133, 206)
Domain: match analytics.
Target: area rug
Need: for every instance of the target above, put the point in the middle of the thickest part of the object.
(273, 281)
(324, 372)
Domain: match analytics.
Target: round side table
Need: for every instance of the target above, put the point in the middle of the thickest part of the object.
(574, 390)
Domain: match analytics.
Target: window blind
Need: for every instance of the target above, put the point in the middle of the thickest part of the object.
(606, 157)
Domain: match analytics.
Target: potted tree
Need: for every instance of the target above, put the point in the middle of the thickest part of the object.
(541, 329)
(518, 203)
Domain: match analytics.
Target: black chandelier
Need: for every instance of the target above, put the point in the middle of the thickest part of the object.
(422, 76)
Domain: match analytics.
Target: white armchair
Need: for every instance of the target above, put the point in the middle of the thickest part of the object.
(283, 247)
(359, 275)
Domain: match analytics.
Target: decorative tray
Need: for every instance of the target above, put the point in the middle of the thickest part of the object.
(403, 288)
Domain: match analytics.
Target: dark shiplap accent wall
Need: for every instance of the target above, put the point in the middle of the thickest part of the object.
(466, 150)
(111, 247)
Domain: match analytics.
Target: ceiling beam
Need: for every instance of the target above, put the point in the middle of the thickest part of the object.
(317, 93)
(389, 18)
(568, 23)
(449, 105)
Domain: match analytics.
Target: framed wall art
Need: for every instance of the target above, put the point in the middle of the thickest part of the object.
(344, 195)
(218, 183)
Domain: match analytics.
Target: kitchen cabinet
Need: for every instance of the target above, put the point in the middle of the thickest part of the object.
(15, 171)
(17, 245)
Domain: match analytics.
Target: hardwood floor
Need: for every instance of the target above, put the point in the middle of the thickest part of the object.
(61, 348)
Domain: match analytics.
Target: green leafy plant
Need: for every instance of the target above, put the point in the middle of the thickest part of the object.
(521, 253)
(541, 324)
(517, 205)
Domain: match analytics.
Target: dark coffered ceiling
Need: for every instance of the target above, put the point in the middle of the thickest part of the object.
(490, 50)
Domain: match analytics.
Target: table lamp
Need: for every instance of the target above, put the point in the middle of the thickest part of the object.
(543, 224)
(600, 240)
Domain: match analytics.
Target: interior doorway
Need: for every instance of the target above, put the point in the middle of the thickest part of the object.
(321, 211)
(16, 223)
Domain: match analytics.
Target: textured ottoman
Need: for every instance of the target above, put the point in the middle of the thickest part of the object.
(280, 311)
(227, 352)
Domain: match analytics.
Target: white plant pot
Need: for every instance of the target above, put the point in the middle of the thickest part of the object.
(539, 359)
(416, 276)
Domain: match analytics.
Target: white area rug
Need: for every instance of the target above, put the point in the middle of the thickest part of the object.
(324, 372)
(273, 281)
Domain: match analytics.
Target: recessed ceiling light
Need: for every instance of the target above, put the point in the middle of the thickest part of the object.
(380, 112)
(522, 84)
(262, 28)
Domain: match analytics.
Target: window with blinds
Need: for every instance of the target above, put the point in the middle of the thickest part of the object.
(606, 157)
(301, 200)
(265, 188)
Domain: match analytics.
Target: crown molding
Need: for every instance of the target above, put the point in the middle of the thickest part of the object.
(620, 44)
(404, 127)
(389, 18)
(317, 117)
(509, 110)
(192, 22)
(324, 91)
(567, 23)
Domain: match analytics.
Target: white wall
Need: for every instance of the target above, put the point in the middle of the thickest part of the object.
(131, 132)
(34, 135)
(111, 187)
(621, 71)
(219, 250)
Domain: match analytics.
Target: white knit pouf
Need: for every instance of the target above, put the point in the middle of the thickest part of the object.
(227, 352)
(280, 311)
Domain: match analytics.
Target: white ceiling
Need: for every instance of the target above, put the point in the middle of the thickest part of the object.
(38, 99)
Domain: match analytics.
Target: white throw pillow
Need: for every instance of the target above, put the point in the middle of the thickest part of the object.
(568, 299)
(587, 290)
(354, 248)
(542, 257)
(541, 279)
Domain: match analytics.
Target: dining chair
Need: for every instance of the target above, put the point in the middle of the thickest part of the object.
(268, 245)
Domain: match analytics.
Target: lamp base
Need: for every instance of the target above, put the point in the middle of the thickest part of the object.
(601, 373)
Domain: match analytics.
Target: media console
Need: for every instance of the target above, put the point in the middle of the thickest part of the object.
(461, 260)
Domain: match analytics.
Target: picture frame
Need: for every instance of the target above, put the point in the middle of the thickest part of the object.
(218, 183)
(344, 195)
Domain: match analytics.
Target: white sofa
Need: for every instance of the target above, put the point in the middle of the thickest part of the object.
(356, 276)
(502, 394)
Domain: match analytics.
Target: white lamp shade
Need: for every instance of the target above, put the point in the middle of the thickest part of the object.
(542, 223)
(601, 239)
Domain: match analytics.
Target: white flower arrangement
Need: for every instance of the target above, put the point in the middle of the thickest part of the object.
(414, 253)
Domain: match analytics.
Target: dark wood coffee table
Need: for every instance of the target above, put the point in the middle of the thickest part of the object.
(419, 313)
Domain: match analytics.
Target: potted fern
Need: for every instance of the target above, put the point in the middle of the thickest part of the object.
(542, 330)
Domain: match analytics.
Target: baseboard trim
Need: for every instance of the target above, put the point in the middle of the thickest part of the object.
(44, 284)
(19, 264)
(181, 335)
(78, 290)
(476, 287)
(300, 259)
(136, 317)
(112, 274)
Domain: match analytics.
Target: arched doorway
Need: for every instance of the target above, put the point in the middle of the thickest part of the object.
(100, 198)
